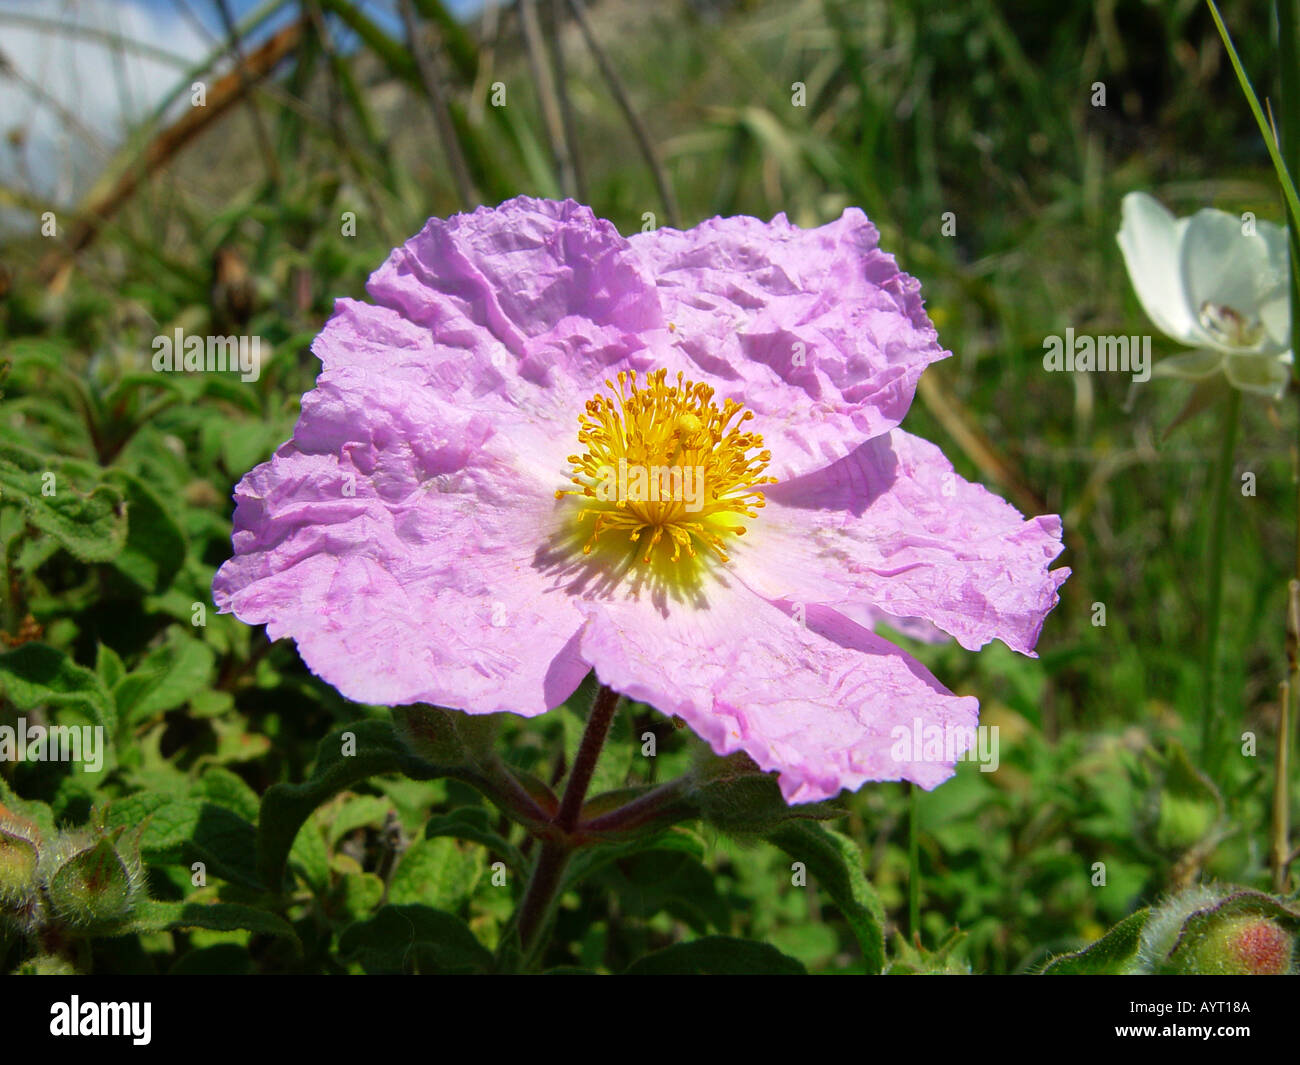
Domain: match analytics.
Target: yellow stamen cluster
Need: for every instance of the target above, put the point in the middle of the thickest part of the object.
(666, 460)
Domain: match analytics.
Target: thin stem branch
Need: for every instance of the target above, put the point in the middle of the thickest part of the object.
(584, 762)
(1214, 605)
(540, 68)
(539, 898)
(255, 115)
(427, 65)
(1280, 851)
(913, 864)
(555, 11)
(659, 806)
(638, 127)
(544, 884)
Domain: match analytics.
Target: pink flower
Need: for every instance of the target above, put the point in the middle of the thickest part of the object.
(438, 531)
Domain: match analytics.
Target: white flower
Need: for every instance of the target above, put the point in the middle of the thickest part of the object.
(1211, 283)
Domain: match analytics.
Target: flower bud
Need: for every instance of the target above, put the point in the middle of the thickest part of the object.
(1220, 930)
(94, 887)
(1239, 946)
(446, 737)
(19, 857)
(735, 796)
(21, 905)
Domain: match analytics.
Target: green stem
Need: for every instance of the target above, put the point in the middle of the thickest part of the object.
(1288, 29)
(1214, 604)
(1280, 848)
(913, 864)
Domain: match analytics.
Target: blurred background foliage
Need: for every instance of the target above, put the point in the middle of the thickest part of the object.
(231, 218)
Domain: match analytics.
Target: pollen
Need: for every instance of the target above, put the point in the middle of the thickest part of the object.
(666, 467)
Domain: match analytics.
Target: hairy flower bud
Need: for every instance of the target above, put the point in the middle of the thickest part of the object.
(446, 737)
(1239, 946)
(735, 796)
(1221, 931)
(20, 854)
(94, 887)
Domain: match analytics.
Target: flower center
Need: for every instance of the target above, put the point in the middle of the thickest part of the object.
(1229, 326)
(667, 461)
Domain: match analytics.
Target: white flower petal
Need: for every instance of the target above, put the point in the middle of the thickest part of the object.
(1264, 374)
(1151, 240)
(1276, 316)
(1190, 366)
(1235, 270)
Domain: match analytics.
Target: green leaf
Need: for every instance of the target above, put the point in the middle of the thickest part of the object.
(414, 939)
(92, 888)
(473, 823)
(1284, 176)
(285, 807)
(836, 863)
(228, 789)
(154, 916)
(109, 666)
(154, 550)
(670, 881)
(437, 873)
(168, 677)
(591, 860)
(358, 811)
(1112, 953)
(446, 737)
(186, 830)
(37, 675)
(357, 891)
(310, 856)
(86, 516)
(716, 956)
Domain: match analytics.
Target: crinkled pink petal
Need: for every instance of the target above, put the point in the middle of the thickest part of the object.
(528, 306)
(820, 702)
(514, 271)
(869, 617)
(409, 540)
(893, 528)
(537, 303)
(817, 330)
(394, 539)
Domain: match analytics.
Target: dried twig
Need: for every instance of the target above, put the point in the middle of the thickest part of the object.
(540, 68)
(555, 10)
(259, 127)
(426, 63)
(639, 130)
(224, 93)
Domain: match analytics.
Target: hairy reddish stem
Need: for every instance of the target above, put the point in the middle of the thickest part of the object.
(544, 884)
